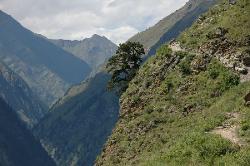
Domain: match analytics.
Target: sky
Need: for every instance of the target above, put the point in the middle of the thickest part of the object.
(118, 20)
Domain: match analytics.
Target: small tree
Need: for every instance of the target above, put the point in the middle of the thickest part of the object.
(124, 65)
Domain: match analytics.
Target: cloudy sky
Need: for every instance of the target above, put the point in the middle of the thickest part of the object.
(77, 19)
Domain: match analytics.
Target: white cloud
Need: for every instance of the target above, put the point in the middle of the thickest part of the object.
(78, 19)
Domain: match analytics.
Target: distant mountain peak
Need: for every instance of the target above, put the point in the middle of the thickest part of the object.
(97, 36)
(30, 55)
(94, 50)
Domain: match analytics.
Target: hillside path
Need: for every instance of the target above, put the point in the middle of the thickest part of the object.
(229, 130)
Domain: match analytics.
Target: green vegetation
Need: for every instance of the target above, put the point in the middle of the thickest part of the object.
(18, 147)
(178, 99)
(185, 65)
(80, 123)
(171, 120)
(17, 93)
(124, 65)
(47, 69)
(233, 18)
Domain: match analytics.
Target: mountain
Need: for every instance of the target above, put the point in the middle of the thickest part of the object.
(188, 104)
(79, 124)
(94, 51)
(60, 123)
(48, 70)
(171, 26)
(16, 93)
(18, 147)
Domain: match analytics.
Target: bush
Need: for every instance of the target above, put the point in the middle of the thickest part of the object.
(164, 51)
(185, 68)
(231, 79)
(213, 73)
(181, 54)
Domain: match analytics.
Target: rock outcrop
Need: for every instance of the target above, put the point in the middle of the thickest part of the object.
(224, 49)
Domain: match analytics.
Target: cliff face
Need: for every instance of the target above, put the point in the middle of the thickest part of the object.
(186, 104)
(17, 94)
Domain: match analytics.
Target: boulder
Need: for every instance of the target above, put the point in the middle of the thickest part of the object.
(232, 2)
(200, 63)
(247, 100)
(220, 32)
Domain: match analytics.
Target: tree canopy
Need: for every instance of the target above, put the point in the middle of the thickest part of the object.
(124, 65)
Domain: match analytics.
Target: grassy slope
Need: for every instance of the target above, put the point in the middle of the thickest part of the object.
(234, 18)
(181, 25)
(155, 128)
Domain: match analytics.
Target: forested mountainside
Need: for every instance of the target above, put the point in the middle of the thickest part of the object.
(171, 26)
(188, 105)
(18, 147)
(94, 51)
(79, 124)
(47, 69)
(17, 93)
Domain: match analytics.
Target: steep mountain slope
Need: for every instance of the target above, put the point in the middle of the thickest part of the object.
(52, 129)
(17, 94)
(17, 146)
(173, 109)
(171, 26)
(48, 69)
(80, 123)
(94, 51)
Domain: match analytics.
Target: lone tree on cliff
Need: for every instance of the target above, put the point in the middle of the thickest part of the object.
(124, 65)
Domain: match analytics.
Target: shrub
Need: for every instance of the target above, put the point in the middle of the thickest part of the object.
(181, 54)
(230, 79)
(164, 51)
(185, 68)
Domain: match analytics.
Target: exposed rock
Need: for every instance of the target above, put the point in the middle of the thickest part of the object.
(200, 63)
(225, 51)
(175, 46)
(232, 2)
(241, 70)
(184, 88)
(247, 99)
(188, 109)
(218, 33)
(221, 32)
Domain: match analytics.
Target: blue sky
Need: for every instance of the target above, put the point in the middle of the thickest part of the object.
(77, 19)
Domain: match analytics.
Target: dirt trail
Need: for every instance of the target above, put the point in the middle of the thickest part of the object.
(229, 130)
(175, 46)
(244, 78)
